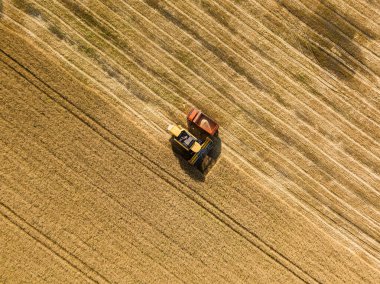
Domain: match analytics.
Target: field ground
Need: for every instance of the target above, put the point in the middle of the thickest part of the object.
(90, 190)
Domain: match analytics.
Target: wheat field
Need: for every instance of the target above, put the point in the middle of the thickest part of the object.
(91, 191)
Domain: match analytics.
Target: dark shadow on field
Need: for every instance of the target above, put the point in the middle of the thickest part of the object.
(28, 8)
(197, 173)
(190, 170)
(1, 8)
(329, 34)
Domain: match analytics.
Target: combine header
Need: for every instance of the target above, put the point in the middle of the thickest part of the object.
(197, 143)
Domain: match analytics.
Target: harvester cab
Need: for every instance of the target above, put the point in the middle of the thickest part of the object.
(184, 138)
(197, 142)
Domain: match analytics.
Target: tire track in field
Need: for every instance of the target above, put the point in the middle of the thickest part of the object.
(207, 205)
(52, 246)
(99, 189)
(83, 121)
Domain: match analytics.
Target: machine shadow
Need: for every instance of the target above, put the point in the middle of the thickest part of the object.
(196, 173)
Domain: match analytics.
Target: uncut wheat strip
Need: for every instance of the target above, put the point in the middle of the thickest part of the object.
(173, 177)
(322, 118)
(285, 36)
(358, 178)
(221, 265)
(49, 243)
(21, 185)
(236, 13)
(153, 263)
(107, 194)
(26, 261)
